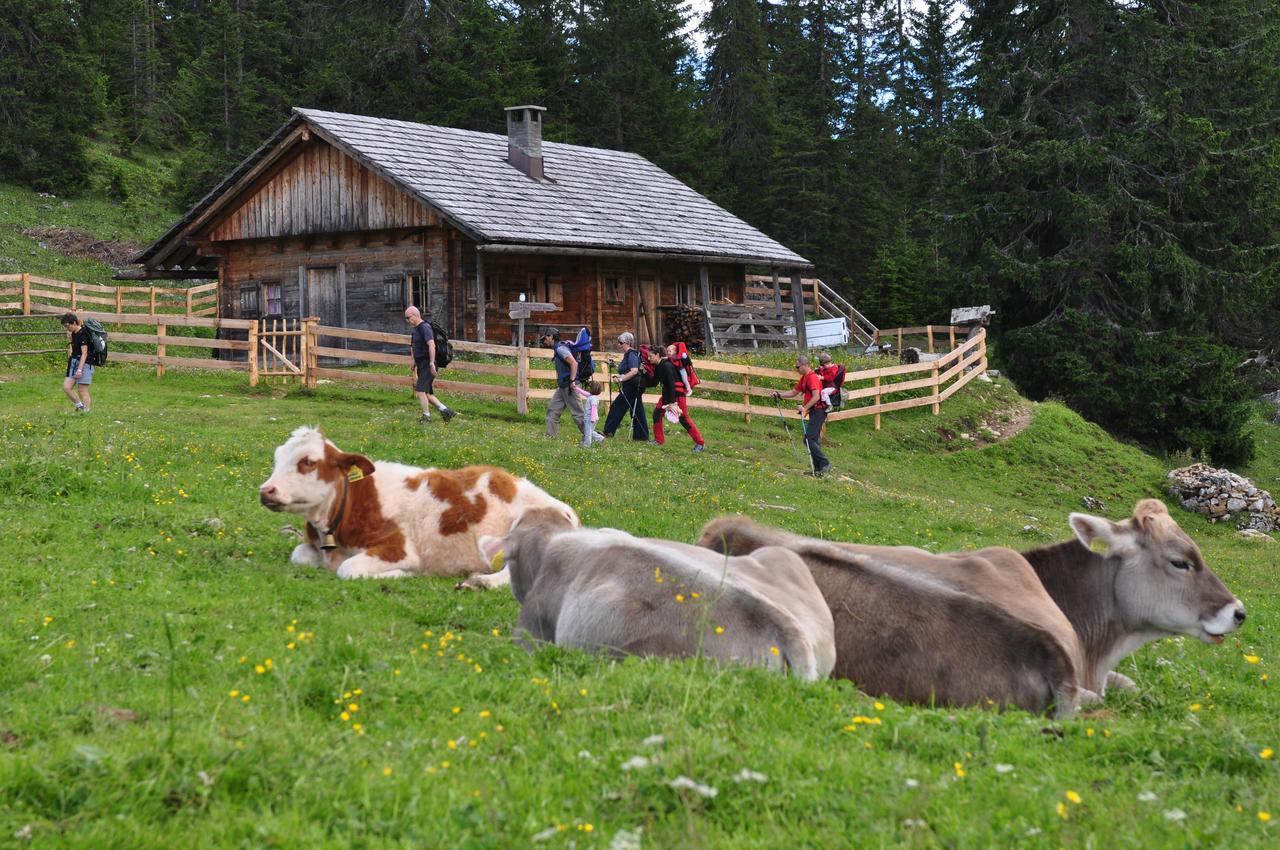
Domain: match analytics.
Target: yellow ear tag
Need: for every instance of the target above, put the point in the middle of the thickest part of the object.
(355, 474)
(1100, 546)
(495, 563)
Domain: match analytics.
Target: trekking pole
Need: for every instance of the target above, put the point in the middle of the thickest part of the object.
(804, 430)
(777, 403)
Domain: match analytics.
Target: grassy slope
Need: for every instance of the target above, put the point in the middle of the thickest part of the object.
(110, 526)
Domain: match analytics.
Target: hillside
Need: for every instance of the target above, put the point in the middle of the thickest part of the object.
(147, 585)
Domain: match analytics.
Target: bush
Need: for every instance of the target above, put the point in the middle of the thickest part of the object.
(1167, 390)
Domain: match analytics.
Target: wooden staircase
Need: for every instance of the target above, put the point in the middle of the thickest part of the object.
(762, 298)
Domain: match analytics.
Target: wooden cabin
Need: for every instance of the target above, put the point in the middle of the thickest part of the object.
(352, 219)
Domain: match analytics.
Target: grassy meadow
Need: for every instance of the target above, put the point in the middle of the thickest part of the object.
(170, 678)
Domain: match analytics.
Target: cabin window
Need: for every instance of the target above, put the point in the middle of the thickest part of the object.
(615, 289)
(490, 290)
(249, 304)
(719, 292)
(272, 297)
(684, 293)
(416, 284)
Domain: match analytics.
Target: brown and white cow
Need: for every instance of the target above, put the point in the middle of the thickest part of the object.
(605, 590)
(1027, 629)
(380, 519)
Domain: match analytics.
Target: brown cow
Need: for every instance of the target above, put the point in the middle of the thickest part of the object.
(900, 629)
(388, 520)
(602, 589)
(928, 628)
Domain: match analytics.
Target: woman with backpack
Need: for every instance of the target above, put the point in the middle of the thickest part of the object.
(674, 389)
(630, 379)
(79, 364)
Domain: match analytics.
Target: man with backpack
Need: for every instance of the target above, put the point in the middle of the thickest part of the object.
(79, 363)
(630, 389)
(423, 349)
(566, 373)
(816, 409)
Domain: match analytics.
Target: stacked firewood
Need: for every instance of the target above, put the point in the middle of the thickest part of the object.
(684, 323)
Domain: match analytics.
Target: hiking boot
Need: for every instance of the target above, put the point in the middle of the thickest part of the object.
(819, 473)
(425, 418)
(699, 447)
(447, 413)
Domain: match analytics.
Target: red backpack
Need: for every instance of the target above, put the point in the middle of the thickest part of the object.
(685, 362)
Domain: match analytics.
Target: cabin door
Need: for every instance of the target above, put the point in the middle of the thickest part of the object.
(647, 317)
(324, 296)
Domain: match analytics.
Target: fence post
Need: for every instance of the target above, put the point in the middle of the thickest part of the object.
(877, 402)
(899, 342)
(119, 301)
(951, 329)
(26, 294)
(309, 356)
(522, 380)
(73, 296)
(189, 301)
(937, 402)
(253, 354)
(153, 301)
(160, 349)
(746, 395)
(928, 329)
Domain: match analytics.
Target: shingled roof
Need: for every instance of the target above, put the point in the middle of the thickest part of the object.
(591, 199)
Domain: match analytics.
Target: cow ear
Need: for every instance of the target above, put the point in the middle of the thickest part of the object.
(1090, 529)
(349, 460)
(491, 549)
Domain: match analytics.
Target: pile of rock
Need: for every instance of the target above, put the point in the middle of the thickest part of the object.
(1274, 399)
(1220, 494)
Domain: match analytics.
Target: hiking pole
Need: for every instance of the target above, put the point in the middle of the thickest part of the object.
(777, 402)
(804, 430)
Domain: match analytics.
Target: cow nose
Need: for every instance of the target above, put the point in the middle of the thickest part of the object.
(1239, 615)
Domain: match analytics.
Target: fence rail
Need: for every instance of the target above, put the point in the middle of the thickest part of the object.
(292, 350)
(33, 290)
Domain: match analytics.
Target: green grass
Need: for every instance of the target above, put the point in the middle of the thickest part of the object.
(143, 584)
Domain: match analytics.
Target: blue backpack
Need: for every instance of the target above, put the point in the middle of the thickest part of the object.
(581, 348)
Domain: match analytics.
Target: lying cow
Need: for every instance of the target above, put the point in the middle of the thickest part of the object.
(1036, 629)
(387, 520)
(602, 589)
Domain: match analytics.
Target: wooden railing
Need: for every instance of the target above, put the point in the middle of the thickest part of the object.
(33, 291)
(819, 298)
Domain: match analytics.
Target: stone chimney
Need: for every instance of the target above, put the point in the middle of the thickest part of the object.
(524, 139)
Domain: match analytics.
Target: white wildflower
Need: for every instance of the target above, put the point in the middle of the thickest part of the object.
(585, 754)
(685, 783)
(636, 763)
(654, 741)
(1175, 814)
(1034, 831)
(546, 834)
(912, 783)
(1147, 797)
(1004, 768)
(746, 775)
(914, 822)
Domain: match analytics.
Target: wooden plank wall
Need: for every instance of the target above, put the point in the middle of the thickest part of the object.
(321, 190)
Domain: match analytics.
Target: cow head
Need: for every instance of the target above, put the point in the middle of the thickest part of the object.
(307, 473)
(521, 547)
(1162, 583)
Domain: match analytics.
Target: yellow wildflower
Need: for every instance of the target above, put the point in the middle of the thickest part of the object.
(1265, 817)
(1252, 659)
(344, 717)
(959, 768)
(1266, 753)
(775, 650)
(1074, 797)
(386, 771)
(1062, 810)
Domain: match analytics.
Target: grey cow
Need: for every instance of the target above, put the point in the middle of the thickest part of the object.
(1033, 630)
(605, 590)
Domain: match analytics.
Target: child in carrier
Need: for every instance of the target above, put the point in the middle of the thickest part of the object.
(590, 396)
(832, 375)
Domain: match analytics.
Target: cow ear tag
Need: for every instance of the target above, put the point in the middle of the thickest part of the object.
(1100, 546)
(355, 474)
(495, 563)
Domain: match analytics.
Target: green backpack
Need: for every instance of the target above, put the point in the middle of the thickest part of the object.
(97, 342)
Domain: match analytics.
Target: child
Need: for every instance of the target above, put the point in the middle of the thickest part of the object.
(828, 370)
(591, 412)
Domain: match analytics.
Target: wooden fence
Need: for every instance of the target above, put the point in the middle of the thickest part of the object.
(305, 351)
(33, 292)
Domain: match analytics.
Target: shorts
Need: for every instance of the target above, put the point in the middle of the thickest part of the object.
(86, 377)
(426, 381)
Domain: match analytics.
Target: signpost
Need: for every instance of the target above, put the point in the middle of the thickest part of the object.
(521, 310)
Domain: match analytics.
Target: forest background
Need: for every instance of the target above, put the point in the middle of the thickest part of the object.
(1103, 172)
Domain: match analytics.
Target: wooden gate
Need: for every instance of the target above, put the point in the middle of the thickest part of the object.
(278, 350)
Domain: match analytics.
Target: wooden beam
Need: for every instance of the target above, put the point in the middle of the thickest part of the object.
(797, 305)
(481, 294)
(705, 285)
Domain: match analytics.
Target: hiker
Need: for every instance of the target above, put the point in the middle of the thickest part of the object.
(630, 391)
(423, 349)
(590, 396)
(816, 409)
(667, 376)
(79, 366)
(566, 374)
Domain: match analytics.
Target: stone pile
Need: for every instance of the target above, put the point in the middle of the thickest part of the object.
(1220, 495)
